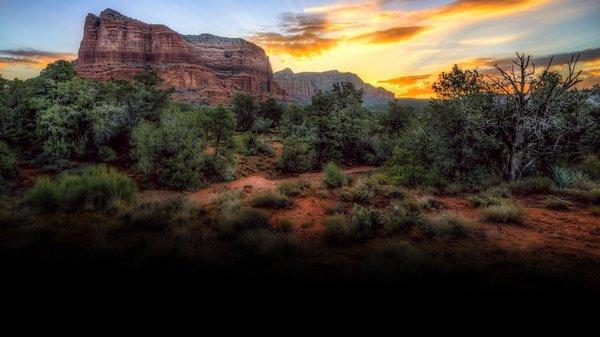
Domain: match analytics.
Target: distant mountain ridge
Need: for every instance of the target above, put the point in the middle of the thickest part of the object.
(300, 87)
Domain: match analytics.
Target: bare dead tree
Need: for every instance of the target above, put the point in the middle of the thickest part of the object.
(528, 107)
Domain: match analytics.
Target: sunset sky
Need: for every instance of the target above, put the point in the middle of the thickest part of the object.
(399, 44)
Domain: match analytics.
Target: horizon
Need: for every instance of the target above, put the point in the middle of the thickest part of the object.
(399, 45)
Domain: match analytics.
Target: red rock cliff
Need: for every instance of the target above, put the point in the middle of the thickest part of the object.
(203, 68)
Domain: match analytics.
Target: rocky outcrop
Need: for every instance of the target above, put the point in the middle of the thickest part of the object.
(301, 86)
(204, 68)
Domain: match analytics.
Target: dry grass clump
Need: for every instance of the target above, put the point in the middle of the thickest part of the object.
(448, 225)
(270, 199)
(504, 213)
(292, 189)
(557, 204)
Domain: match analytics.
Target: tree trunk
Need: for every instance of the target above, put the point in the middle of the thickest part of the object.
(514, 168)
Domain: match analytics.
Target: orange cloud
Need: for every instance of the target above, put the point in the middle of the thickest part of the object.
(406, 80)
(31, 58)
(390, 35)
(298, 45)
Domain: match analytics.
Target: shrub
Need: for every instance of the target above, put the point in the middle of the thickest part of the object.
(234, 222)
(393, 260)
(271, 199)
(557, 203)
(42, 196)
(431, 203)
(360, 193)
(8, 160)
(595, 210)
(253, 144)
(337, 229)
(94, 186)
(264, 244)
(591, 166)
(293, 189)
(333, 177)
(157, 216)
(298, 155)
(229, 196)
(483, 200)
(532, 185)
(337, 208)
(498, 192)
(591, 197)
(402, 215)
(505, 213)
(449, 225)
(362, 224)
(172, 151)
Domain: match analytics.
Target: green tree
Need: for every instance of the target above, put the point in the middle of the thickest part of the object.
(59, 71)
(221, 128)
(244, 108)
(271, 109)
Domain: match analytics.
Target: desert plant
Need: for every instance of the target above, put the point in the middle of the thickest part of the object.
(504, 213)
(8, 160)
(94, 186)
(557, 203)
(562, 176)
(237, 221)
(293, 189)
(333, 177)
(483, 200)
(264, 244)
(271, 199)
(253, 144)
(591, 166)
(429, 203)
(448, 225)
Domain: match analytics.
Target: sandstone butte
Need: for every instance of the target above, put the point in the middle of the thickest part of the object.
(203, 69)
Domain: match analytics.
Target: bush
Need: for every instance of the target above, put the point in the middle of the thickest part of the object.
(505, 213)
(264, 244)
(94, 187)
(557, 203)
(532, 185)
(334, 177)
(591, 197)
(361, 225)
(229, 196)
(271, 199)
(337, 229)
(253, 144)
(402, 215)
(234, 222)
(431, 203)
(498, 192)
(591, 166)
(293, 189)
(361, 194)
(298, 154)
(449, 225)
(483, 200)
(8, 160)
(173, 151)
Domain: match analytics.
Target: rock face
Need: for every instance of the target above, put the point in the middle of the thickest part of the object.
(301, 86)
(203, 69)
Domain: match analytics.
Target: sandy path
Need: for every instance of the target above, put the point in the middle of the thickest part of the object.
(254, 182)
